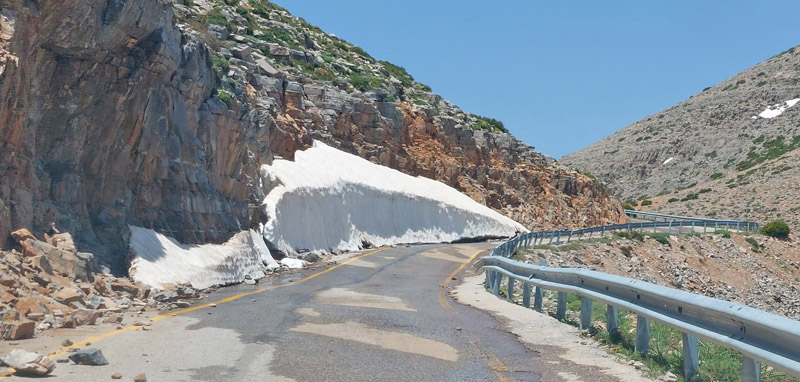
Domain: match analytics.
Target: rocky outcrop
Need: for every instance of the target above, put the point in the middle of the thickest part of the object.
(107, 119)
(158, 115)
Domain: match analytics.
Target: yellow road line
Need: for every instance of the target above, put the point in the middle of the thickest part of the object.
(442, 293)
(497, 366)
(64, 350)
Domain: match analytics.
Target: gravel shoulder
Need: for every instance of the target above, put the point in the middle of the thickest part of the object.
(572, 358)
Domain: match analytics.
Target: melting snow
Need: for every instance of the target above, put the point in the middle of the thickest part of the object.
(668, 160)
(777, 109)
(292, 263)
(158, 260)
(327, 199)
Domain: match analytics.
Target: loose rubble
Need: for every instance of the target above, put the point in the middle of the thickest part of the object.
(48, 284)
(24, 362)
(88, 356)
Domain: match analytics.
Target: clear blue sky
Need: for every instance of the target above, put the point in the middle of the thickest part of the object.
(563, 74)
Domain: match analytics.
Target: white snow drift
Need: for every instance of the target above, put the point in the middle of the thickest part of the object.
(778, 109)
(327, 199)
(158, 260)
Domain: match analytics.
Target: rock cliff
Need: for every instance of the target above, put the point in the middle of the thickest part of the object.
(159, 114)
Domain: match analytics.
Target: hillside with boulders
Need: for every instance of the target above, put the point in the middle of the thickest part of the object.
(159, 114)
(753, 270)
(729, 151)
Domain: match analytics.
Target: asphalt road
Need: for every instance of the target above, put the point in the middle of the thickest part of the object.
(381, 316)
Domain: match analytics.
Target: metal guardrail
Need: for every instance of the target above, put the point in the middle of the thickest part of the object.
(727, 223)
(758, 335)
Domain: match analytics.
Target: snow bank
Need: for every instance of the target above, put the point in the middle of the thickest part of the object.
(777, 109)
(158, 259)
(327, 199)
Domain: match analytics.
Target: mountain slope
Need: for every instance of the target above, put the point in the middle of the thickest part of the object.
(159, 114)
(729, 151)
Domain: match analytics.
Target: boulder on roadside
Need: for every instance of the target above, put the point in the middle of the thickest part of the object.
(132, 290)
(81, 317)
(88, 356)
(56, 261)
(17, 329)
(24, 362)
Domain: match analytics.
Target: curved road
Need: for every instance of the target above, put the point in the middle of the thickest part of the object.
(381, 315)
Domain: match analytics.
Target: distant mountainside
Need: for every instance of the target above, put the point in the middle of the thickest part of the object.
(729, 151)
(160, 114)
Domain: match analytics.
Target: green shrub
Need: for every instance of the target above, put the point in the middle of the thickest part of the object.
(777, 229)
(488, 124)
(226, 97)
(717, 175)
(753, 242)
(215, 16)
(646, 202)
(703, 191)
(660, 237)
(363, 83)
(622, 234)
(627, 206)
(398, 72)
(637, 235)
(671, 200)
(690, 197)
(724, 232)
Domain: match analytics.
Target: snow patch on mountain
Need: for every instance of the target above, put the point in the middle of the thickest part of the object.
(778, 109)
(158, 260)
(327, 199)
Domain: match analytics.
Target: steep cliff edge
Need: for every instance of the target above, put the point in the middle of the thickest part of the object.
(159, 114)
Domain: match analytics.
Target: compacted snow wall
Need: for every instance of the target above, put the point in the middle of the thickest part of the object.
(157, 260)
(327, 199)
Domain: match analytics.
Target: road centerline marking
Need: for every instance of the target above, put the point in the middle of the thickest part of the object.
(442, 293)
(80, 344)
(495, 364)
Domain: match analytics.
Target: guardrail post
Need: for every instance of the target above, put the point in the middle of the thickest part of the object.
(526, 295)
(561, 309)
(691, 360)
(704, 226)
(654, 226)
(586, 312)
(751, 370)
(680, 228)
(692, 227)
(612, 322)
(498, 277)
(537, 299)
(738, 226)
(642, 334)
(510, 294)
(669, 227)
(603, 232)
(629, 227)
(569, 236)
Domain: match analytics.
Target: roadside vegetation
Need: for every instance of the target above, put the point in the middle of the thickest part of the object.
(665, 353)
(776, 229)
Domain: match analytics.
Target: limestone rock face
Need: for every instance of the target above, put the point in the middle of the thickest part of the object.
(106, 119)
(142, 113)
